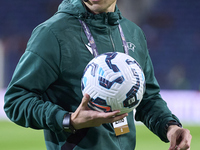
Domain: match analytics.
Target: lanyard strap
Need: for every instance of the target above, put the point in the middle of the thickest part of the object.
(90, 38)
(123, 39)
(92, 42)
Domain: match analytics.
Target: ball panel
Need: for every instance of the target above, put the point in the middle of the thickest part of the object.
(99, 104)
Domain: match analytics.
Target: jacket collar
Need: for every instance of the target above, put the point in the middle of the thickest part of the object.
(78, 10)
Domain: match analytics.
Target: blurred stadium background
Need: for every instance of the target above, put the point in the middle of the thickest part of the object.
(172, 29)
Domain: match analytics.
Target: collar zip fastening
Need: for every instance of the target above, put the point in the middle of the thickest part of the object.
(92, 42)
(106, 19)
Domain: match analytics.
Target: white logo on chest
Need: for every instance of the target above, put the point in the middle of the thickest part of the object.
(89, 48)
(131, 46)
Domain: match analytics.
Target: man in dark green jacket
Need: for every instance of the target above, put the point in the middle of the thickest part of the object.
(45, 91)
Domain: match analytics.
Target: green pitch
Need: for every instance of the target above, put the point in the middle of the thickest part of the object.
(14, 137)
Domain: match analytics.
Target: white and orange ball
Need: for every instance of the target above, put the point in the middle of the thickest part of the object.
(114, 81)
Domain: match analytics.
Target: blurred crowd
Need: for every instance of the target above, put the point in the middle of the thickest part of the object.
(172, 29)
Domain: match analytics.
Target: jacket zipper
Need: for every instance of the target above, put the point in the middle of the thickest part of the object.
(120, 146)
(111, 39)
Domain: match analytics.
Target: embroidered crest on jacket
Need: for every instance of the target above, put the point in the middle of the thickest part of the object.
(131, 46)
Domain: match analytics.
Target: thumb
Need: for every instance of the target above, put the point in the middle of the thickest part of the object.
(85, 100)
(172, 143)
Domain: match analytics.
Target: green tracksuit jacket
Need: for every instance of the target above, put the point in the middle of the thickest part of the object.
(47, 81)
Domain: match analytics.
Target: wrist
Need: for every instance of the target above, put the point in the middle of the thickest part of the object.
(72, 121)
(172, 124)
(67, 124)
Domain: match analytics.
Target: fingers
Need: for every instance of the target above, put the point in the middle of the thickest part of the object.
(120, 117)
(111, 114)
(186, 141)
(86, 117)
(172, 143)
(111, 117)
(180, 140)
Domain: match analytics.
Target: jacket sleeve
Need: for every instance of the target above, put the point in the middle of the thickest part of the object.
(24, 104)
(153, 110)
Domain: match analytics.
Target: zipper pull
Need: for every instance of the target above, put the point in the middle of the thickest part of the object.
(106, 19)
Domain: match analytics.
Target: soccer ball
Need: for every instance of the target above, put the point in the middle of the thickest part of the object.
(114, 81)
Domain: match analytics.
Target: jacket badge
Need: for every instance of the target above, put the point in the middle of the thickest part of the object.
(131, 46)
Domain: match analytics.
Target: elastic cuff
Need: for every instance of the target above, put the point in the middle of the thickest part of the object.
(59, 118)
(162, 129)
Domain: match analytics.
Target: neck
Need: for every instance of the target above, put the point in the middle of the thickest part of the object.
(99, 9)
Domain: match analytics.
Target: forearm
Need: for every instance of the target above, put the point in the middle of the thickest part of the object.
(153, 110)
(24, 103)
(155, 115)
(29, 110)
